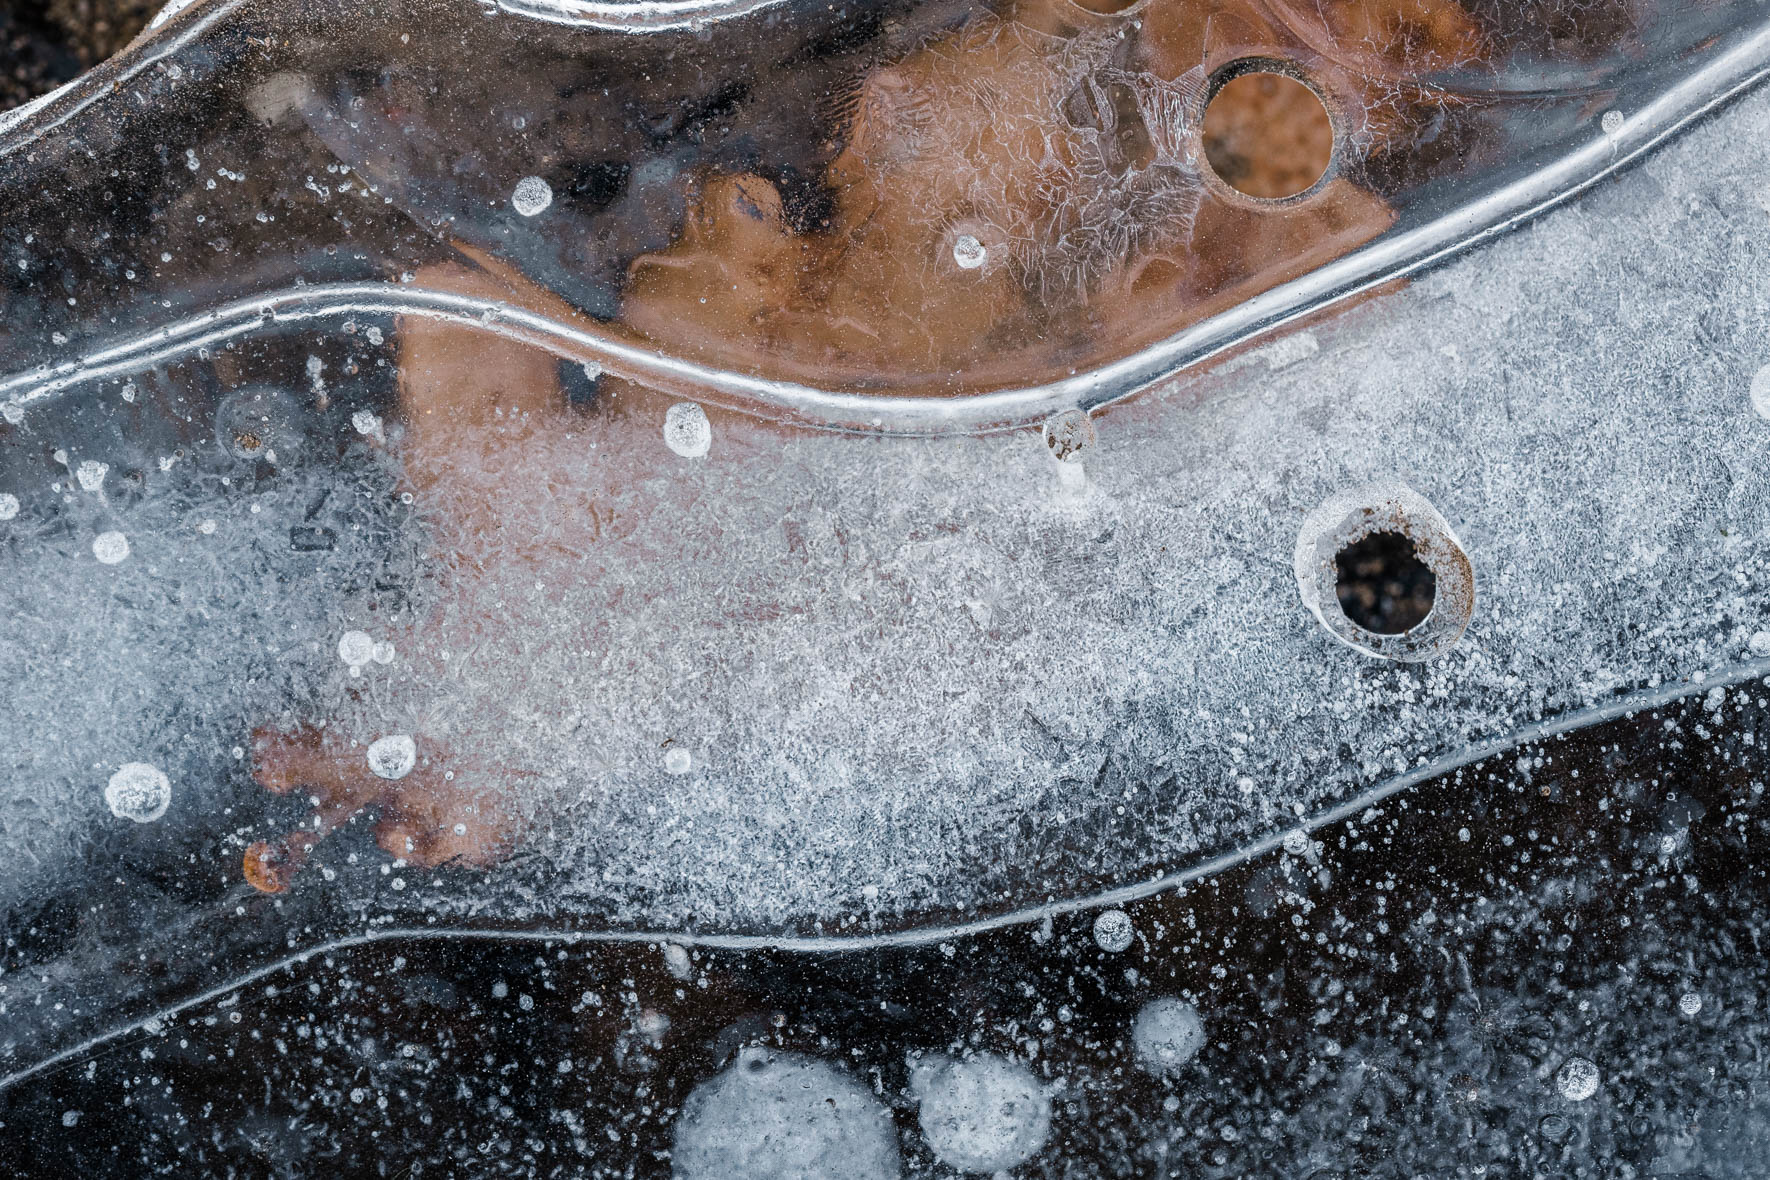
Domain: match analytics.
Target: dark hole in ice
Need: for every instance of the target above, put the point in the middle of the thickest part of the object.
(1266, 134)
(1383, 585)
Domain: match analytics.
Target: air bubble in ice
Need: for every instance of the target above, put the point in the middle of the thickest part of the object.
(1612, 122)
(8, 505)
(678, 761)
(1690, 1003)
(968, 252)
(1577, 1079)
(91, 474)
(139, 792)
(1761, 392)
(356, 648)
(368, 422)
(687, 431)
(382, 652)
(677, 962)
(110, 548)
(393, 756)
(1069, 434)
(1167, 1033)
(771, 1115)
(981, 1114)
(1555, 1127)
(1113, 931)
(531, 195)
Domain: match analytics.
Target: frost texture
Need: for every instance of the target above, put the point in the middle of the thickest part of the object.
(910, 675)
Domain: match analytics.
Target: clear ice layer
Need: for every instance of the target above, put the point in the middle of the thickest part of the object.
(407, 464)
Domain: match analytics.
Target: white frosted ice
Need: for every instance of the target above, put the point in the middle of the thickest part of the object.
(138, 791)
(1167, 1034)
(110, 547)
(8, 505)
(687, 430)
(1114, 932)
(1577, 1079)
(393, 757)
(91, 474)
(531, 196)
(775, 1116)
(981, 1114)
(356, 648)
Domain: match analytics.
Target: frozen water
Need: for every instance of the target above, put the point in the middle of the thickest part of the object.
(1577, 1079)
(687, 430)
(393, 757)
(356, 648)
(8, 505)
(981, 1114)
(968, 252)
(110, 547)
(531, 196)
(1168, 1033)
(138, 791)
(1114, 932)
(773, 1115)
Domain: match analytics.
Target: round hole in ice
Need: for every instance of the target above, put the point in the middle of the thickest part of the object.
(1383, 585)
(1266, 132)
(1339, 526)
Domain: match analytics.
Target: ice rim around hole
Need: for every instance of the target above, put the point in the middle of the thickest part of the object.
(1696, 665)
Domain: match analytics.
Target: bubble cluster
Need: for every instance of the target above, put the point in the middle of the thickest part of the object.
(138, 791)
(393, 757)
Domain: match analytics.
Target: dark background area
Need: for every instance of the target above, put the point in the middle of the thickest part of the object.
(44, 43)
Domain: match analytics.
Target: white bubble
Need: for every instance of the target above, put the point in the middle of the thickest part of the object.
(393, 756)
(356, 648)
(687, 431)
(1690, 1003)
(368, 422)
(207, 528)
(531, 195)
(91, 474)
(1577, 1079)
(677, 962)
(1761, 392)
(8, 505)
(771, 1115)
(968, 252)
(1113, 931)
(139, 792)
(1296, 842)
(110, 548)
(1167, 1033)
(1612, 122)
(70, 1118)
(981, 1114)
(592, 370)
(382, 652)
(678, 761)
(1069, 435)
